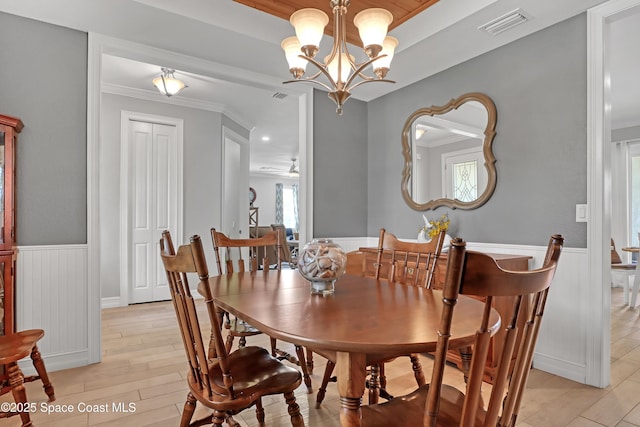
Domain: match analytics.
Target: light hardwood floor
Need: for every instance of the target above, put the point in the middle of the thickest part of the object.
(144, 365)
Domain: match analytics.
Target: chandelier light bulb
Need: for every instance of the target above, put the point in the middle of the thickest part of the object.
(342, 64)
(292, 52)
(383, 63)
(372, 26)
(309, 25)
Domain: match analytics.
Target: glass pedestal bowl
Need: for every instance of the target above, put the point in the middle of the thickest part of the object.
(322, 262)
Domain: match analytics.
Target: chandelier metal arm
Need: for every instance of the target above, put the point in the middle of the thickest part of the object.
(357, 71)
(164, 84)
(309, 80)
(370, 80)
(321, 70)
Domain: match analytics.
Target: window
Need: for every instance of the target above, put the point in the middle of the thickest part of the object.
(288, 210)
(634, 192)
(463, 176)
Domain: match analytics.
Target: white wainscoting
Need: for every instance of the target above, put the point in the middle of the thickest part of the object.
(51, 294)
(561, 347)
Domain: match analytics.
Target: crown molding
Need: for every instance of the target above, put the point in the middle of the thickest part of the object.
(155, 96)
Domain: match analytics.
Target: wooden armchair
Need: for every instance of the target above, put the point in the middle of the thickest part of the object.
(627, 270)
(234, 252)
(397, 261)
(226, 382)
(14, 347)
(409, 263)
(287, 256)
(438, 404)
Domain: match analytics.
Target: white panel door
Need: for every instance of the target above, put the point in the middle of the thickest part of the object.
(235, 186)
(154, 205)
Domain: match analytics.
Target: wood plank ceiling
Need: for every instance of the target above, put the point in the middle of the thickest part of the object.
(402, 10)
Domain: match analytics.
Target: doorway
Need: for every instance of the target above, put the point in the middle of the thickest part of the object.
(150, 201)
(235, 182)
(100, 45)
(599, 20)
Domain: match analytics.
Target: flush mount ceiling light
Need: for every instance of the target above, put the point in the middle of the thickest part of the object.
(339, 67)
(293, 170)
(167, 84)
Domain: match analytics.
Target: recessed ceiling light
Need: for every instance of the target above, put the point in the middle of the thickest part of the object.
(265, 139)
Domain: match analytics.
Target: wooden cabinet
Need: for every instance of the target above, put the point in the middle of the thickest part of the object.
(10, 127)
(502, 305)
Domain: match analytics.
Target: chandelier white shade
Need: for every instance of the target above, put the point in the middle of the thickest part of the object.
(309, 25)
(339, 70)
(167, 84)
(382, 65)
(297, 64)
(372, 26)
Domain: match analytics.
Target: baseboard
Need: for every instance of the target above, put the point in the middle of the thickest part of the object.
(110, 302)
(57, 362)
(562, 368)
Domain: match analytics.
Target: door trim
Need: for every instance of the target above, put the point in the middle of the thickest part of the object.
(100, 44)
(125, 232)
(598, 350)
(243, 221)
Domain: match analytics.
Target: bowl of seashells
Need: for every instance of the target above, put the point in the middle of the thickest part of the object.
(322, 262)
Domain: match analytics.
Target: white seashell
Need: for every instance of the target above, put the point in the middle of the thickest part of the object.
(324, 263)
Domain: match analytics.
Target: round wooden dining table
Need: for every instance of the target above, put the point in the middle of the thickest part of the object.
(363, 317)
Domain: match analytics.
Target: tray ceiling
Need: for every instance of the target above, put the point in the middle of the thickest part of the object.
(402, 10)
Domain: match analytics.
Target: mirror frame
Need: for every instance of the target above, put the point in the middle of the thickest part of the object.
(489, 158)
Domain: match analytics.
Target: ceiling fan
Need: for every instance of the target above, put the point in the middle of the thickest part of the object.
(293, 170)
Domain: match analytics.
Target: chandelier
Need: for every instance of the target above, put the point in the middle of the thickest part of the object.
(167, 84)
(339, 68)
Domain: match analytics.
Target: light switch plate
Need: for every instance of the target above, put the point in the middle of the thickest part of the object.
(582, 214)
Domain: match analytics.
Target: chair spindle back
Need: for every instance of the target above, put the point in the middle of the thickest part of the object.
(230, 246)
(407, 262)
(482, 277)
(191, 259)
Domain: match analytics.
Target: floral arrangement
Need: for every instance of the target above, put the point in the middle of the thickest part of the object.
(433, 228)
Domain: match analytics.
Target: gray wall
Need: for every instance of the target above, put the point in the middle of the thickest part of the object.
(43, 81)
(339, 168)
(625, 134)
(538, 84)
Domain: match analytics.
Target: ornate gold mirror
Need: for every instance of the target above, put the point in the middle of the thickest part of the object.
(448, 157)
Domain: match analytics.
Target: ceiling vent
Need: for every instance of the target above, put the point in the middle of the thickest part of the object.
(279, 95)
(505, 22)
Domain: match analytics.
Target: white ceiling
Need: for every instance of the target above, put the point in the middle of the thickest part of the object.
(229, 33)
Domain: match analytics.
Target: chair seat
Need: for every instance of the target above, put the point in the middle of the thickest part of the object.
(255, 373)
(19, 345)
(623, 266)
(241, 329)
(408, 411)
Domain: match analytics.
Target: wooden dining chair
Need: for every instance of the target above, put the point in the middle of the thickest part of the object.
(396, 261)
(244, 255)
(628, 271)
(410, 263)
(226, 382)
(407, 262)
(356, 263)
(232, 254)
(438, 404)
(286, 255)
(14, 347)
